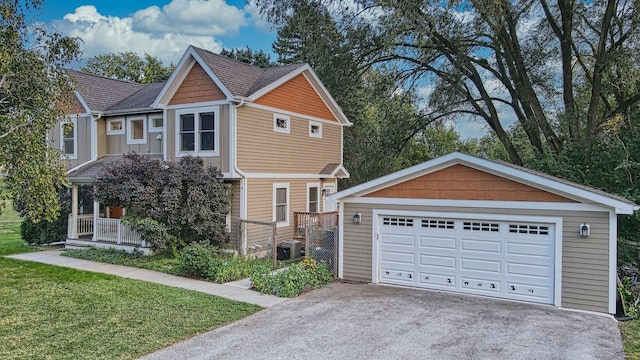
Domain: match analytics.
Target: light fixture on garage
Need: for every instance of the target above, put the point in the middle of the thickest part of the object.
(357, 217)
(585, 229)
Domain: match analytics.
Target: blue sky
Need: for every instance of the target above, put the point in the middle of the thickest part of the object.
(161, 28)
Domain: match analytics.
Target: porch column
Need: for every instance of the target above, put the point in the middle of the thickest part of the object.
(74, 211)
(96, 213)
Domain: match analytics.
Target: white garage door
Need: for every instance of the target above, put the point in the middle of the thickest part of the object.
(506, 259)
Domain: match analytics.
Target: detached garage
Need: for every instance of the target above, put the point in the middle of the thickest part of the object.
(468, 225)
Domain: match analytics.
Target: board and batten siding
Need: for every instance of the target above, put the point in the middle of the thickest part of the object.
(117, 143)
(235, 216)
(222, 161)
(83, 139)
(196, 87)
(262, 150)
(585, 266)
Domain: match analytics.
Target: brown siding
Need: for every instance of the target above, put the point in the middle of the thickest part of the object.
(222, 162)
(459, 182)
(197, 87)
(73, 106)
(298, 96)
(585, 281)
(260, 149)
(102, 137)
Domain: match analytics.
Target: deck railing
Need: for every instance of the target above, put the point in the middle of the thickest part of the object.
(105, 230)
(304, 220)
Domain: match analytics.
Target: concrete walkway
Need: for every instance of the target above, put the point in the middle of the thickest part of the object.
(237, 290)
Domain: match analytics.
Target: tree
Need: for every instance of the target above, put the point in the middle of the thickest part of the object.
(33, 85)
(486, 58)
(170, 203)
(257, 58)
(129, 66)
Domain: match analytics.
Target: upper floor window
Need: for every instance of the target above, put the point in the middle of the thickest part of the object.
(197, 132)
(136, 131)
(315, 129)
(313, 197)
(115, 127)
(156, 123)
(281, 123)
(69, 138)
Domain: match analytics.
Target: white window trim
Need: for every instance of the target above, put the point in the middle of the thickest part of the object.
(279, 186)
(153, 128)
(309, 186)
(74, 120)
(115, 132)
(131, 140)
(216, 127)
(277, 117)
(319, 125)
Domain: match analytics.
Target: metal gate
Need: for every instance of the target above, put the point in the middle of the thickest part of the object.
(321, 244)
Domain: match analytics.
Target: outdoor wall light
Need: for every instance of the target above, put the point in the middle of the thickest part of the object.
(585, 230)
(357, 217)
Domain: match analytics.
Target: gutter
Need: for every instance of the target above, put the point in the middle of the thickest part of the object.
(242, 246)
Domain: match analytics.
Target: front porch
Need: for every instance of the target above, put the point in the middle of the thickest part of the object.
(99, 230)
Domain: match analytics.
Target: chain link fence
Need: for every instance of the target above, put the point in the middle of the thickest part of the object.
(321, 244)
(257, 238)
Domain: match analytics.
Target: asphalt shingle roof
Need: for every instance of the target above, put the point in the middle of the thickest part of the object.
(101, 92)
(142, 98)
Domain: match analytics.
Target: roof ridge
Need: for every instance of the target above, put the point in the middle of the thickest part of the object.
(107, 78)
(230, 59)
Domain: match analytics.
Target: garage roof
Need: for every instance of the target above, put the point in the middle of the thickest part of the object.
(512, 172)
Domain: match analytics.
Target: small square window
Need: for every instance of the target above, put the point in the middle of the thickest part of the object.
(315, 129)
(115, 127)
(156, 124)
(281, 123)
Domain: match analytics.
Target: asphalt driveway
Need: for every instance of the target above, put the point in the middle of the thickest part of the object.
(347, 321)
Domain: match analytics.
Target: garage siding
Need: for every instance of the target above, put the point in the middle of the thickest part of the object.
(585, 269)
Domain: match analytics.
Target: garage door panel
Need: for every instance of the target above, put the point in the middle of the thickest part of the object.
(396, 275)
(399, 239)
(437, 243)
(445, 281)
(495, 258)
(485, 246)
(478, 285)
(485, 266)
(528, 249)
(398, 257)
(448, 262)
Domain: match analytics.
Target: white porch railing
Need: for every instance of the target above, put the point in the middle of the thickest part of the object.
(105, 230)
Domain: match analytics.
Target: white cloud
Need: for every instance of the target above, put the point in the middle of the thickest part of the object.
(164, 32)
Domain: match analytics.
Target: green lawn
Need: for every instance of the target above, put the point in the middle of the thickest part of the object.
(49, 312)
(631, 339)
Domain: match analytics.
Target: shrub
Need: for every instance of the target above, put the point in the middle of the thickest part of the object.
(46, 232)
(204, 261)
(293, 281)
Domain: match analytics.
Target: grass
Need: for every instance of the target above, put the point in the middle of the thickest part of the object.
(631, 339)
(165, 263)
(49, 312)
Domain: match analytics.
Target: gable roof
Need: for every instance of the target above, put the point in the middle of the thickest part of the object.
(99, 92)
(512, 172)
(242, 81)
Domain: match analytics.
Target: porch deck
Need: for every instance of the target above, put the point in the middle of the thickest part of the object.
(88, 230)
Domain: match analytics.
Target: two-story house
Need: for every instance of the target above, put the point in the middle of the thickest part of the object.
(276, 135)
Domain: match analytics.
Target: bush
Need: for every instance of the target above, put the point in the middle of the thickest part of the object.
(204, 261)
(47, 232)
(293, 281)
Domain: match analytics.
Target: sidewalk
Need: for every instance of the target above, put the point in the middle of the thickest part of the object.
(237, 290)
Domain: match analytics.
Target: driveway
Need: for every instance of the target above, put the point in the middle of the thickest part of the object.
(347, 321)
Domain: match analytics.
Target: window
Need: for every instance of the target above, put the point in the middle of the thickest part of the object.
(281, 204)
(313, 198)
(394, 221)
(68, 138)
(197, 132)
(156, 124)
(115, 127)
(315, 129)
(480, 226)
(281, 123)
(136, 131)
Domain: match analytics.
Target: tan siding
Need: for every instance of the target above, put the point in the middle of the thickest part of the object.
(260, 149)
(102, 137)
(260, 203)
(585, 269)
(235, 215)
(117, 144)
(197, 87)
(459, 182)
(298, 96)
(222, 162)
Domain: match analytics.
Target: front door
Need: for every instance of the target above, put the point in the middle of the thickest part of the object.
(327, 190)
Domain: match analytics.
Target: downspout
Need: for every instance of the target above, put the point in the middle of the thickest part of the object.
(242, 245)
